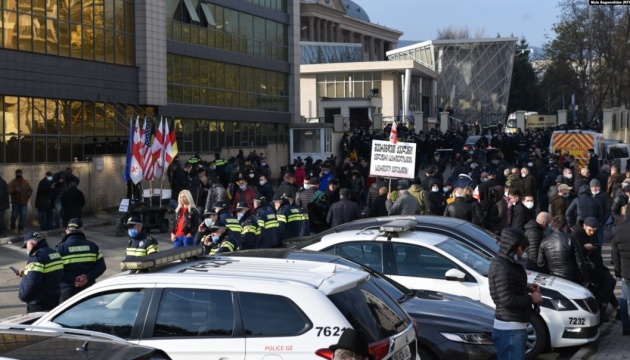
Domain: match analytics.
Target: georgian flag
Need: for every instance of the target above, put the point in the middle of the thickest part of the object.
(136, 172)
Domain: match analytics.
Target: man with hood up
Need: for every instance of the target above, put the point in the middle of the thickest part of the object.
(515, 300)
(584, 206)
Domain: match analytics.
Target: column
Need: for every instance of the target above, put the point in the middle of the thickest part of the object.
(562, 117)
(316, 28)
(350, 36)
(325, 31)
(339, 33)
(372, 57)
(381, 51)
(311, 28)
(444, 121)
(331, 31)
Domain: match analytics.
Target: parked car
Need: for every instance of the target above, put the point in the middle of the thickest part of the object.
(36, 343)
(449, 326)
(421, 260)
(196, 307)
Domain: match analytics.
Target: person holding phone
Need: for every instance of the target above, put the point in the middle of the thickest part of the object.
(42, 275)
(515, 300)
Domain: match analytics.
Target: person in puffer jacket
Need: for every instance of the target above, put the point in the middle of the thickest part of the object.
(514, 299)
(583, 206)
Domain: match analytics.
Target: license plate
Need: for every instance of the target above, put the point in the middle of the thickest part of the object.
(404, 354)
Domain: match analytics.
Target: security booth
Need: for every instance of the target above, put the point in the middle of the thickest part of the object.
(316, 140)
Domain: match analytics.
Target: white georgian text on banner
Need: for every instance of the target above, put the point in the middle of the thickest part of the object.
(393, 160)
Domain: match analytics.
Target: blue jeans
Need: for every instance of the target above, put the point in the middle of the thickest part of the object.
(184, 241)
(45, 219)
(510, 344)
(18, 210)
(624, 304)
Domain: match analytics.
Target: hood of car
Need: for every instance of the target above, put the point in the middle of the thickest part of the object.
(567, 288)
(446, 312)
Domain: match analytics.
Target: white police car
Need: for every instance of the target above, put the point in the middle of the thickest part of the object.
(569, 314)
(239, 308)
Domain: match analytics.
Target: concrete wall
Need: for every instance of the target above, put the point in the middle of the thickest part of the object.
(390, 92)
(308, 98)
(101, 178)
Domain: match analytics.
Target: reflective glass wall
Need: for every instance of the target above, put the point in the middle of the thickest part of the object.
(206, 135)
(57, 130)
(204, 82)
(218, 27)
(99, 30)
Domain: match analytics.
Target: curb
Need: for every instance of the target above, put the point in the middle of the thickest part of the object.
(18, 238)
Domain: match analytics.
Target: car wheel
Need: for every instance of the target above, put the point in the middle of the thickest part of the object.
(426, 354)
(120, 230)
(537, 337)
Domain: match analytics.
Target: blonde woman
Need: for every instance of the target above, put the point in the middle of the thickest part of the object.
(186, 220)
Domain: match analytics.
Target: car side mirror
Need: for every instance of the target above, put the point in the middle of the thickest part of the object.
(455, 275)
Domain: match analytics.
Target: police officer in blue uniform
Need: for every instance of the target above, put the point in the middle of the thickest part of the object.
(42, 275)
(82, 259)
(267, 222)
(140, 243)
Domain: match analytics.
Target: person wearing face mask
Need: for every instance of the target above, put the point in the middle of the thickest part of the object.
(306, 194)
(583, 206)
(264, 187)
(529, 183)
(559, 203)
(264, 168)
(325, 177)
(435, 200)
(521, 212)
(488, 181)
(292, 219)
(20, 191)
(140, 243)
(243, 192)
(605, 202)
(44, 202)
(41, 277)
(250, 235)
(217, 240)
(267, 221)
(252, 179)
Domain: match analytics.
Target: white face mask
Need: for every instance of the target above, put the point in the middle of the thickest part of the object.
(595, 192)
(307, 186)
(263, 163)
(523, 175)
(435, 189)
(528, 204)
(262, 182)
(530, 164)
(251, 176)
(569, 176)
(506, 194)
(49, 178)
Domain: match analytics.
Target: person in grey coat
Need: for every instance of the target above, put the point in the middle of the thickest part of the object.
(406, 204)
(583, 206)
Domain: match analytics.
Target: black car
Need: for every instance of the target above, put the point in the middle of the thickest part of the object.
(449, 326)
(457, 229)
(31, 342)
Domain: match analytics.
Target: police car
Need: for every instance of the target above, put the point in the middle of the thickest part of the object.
(419, 260)
(197, 307)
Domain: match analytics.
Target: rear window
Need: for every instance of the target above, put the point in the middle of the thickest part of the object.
(271, 315)
(370, 309)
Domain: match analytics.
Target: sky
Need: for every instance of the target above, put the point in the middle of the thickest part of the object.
(420, 19)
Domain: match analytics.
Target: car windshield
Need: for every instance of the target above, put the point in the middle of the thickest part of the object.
(486, 239)
(474, 258)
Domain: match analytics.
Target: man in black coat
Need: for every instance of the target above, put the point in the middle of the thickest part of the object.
(535, 233)
(561, 256)
(515, 300)
(520, 214)
(459, 209)
(488, 181)
(4, 205)
(583, 206)
(72, 201)
(44, 202)
(378, 206)
(593, 164)
(344, 210)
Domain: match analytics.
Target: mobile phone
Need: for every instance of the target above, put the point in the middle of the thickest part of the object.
(15, 271)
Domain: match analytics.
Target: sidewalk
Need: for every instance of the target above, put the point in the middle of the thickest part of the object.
(99, 219)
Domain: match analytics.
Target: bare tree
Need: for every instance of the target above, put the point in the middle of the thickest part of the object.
(452, 33)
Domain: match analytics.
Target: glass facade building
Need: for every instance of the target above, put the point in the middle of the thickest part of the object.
(72, 73)
(473, 74)
(330, 53)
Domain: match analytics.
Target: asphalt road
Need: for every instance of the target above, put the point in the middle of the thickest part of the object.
(113, 249)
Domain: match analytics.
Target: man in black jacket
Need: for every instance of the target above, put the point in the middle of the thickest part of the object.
(459, 209)
(621, 260)
(488, 181)
(603, 283)
(44, 202)
(535, 233)
(561, 256)
(344, 210)
(583, 206)
(513, 297)
(521, 215)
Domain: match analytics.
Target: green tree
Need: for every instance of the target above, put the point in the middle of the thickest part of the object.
(589, 58)
(524, 88)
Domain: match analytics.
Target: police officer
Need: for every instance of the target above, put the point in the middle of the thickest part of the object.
(267, 222)
(293, 219)
(251, 230)
(82, 259)
(223, 218)
(218, 240)
(140, 243)
(42, 275)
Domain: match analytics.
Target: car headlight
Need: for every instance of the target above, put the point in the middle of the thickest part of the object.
(559, 304)
(470, 338)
